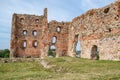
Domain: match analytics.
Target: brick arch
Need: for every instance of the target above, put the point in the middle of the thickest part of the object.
(34, 33)
(58, 29)
(35, 43)
(54, 39)
(94, 52)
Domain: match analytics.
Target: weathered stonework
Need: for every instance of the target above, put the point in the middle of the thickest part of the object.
(27, 30)
(98, 29)
(32, 36)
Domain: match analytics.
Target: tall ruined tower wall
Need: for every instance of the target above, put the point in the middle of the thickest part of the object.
(27, 33)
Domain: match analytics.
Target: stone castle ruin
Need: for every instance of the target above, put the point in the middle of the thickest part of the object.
(98, 31)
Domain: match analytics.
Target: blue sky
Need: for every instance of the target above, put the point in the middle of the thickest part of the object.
(60, 10)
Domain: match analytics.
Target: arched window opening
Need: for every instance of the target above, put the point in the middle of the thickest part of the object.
(76, 38)
(54, 40)
(58, 29)
(35, 43)
(21, 19)
(94, 53)
(37, 20)
(53, 48)
(34, 33)
(24, 44)
(24, 32)
(106, 10)
(77, 46)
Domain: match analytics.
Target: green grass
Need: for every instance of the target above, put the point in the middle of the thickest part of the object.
(66, 69)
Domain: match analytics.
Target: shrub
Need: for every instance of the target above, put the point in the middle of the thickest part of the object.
(51, 53)
(5, 53)
(97, 55)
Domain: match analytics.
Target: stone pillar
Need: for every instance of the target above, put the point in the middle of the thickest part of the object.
(45, 12)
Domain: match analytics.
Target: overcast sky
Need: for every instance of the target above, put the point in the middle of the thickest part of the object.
(60, 10)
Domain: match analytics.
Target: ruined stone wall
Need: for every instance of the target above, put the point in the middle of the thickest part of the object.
(27, 34)
(99, 27)
(60, 31)
(98, 31)
(32, 36)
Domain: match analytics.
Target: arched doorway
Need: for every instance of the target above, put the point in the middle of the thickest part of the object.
(52, 47)
(94, 53)
(52, 51)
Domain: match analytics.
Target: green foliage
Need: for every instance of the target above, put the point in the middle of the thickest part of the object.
(97, 55)
(51, 53)
(5, 53)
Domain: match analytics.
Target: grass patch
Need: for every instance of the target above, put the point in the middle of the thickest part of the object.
(66, 69)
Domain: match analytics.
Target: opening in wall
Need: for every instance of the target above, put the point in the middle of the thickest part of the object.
(34, 33)
(54, 39)
(51, 52)
(24, 44)
(35, 43)
(21, 19)
(77, 46)
(94, 53)
(37, 20)
(58, 29)
(24, 32)
(52, 47)
(106, 10)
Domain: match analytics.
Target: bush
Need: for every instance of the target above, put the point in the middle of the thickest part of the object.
(50, 53)
(97, 55)
(5, 53)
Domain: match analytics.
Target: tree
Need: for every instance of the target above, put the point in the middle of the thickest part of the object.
(4, 53)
